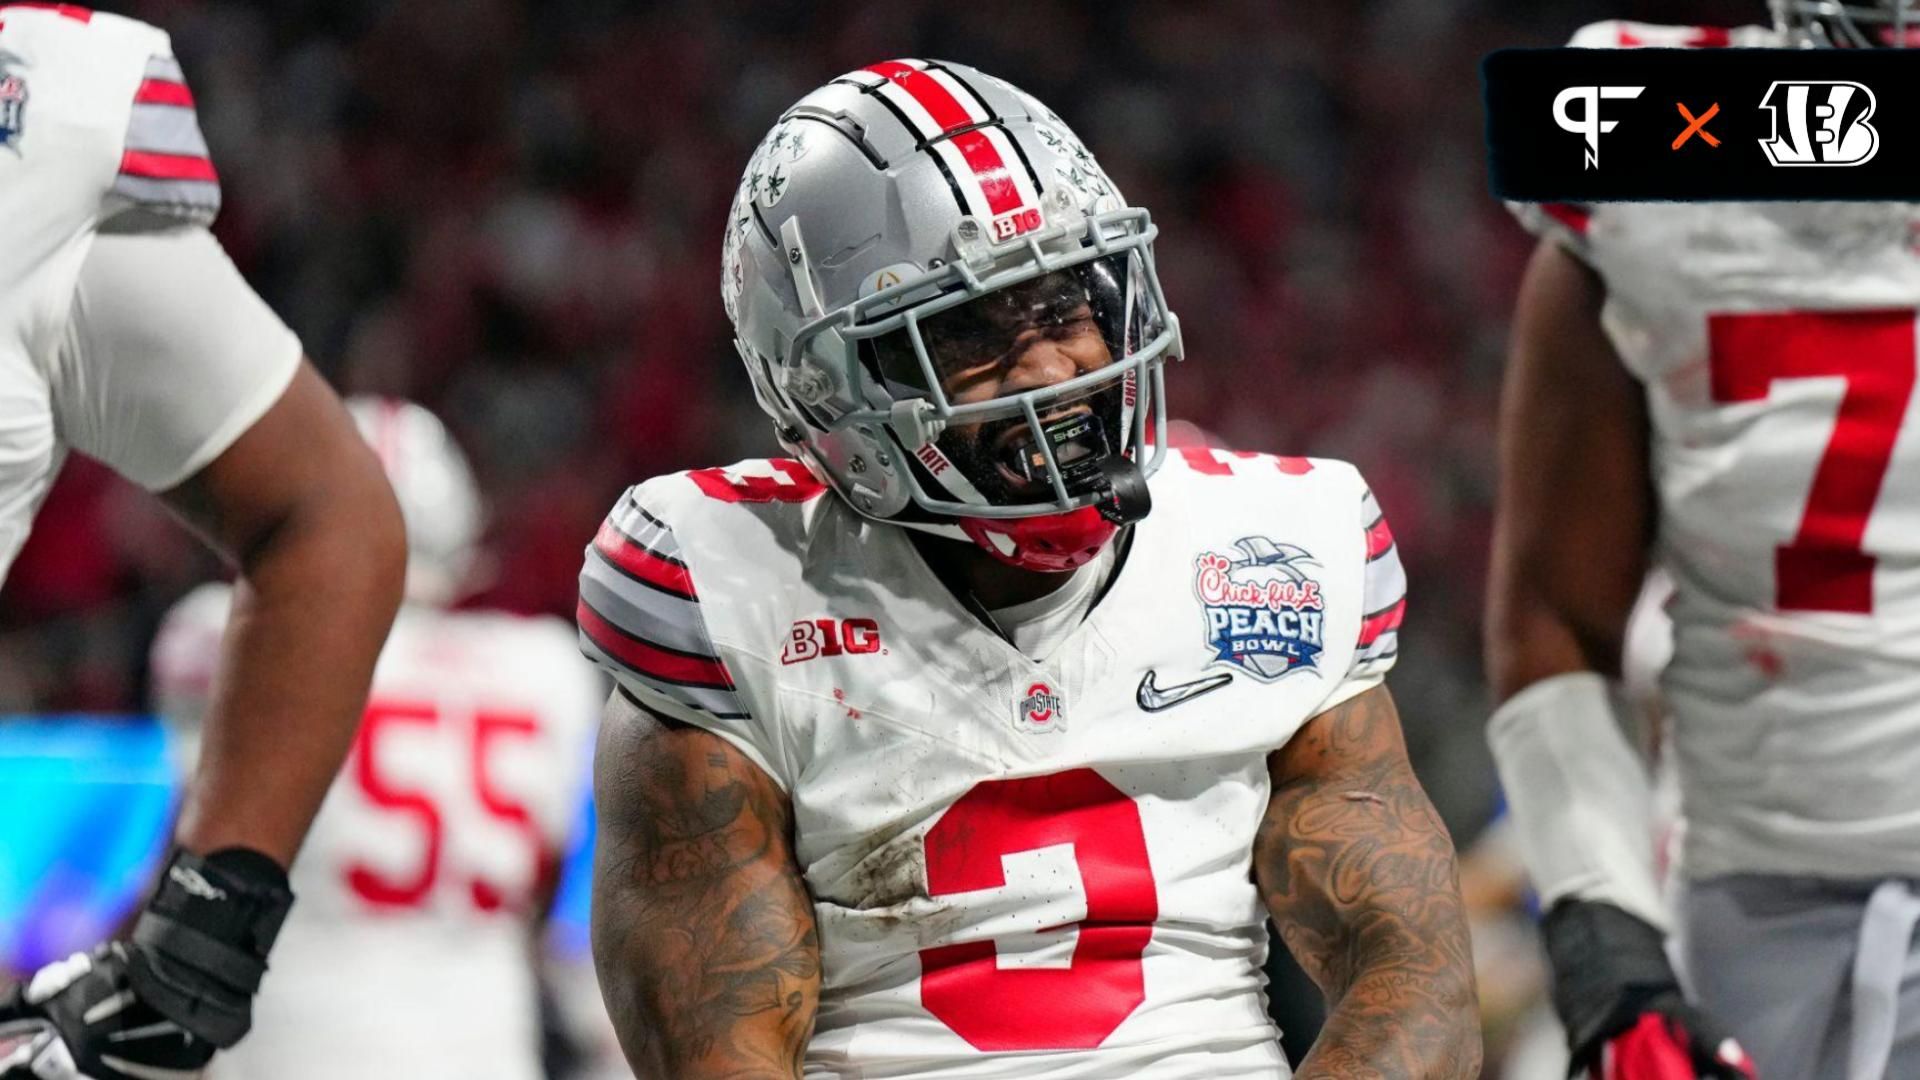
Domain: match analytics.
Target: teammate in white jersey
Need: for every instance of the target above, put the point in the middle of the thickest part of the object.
(126, 334)
(933, 753)
(425, 878)
(1726, 390)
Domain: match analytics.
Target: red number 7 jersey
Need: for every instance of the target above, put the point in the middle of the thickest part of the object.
(1021, 867)
(1776, 344)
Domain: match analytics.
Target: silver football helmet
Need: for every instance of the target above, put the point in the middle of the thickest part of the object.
(1871, 24)
(909, 226)
(440, 503)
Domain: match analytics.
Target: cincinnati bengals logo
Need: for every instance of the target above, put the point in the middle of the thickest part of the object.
(1820, 123)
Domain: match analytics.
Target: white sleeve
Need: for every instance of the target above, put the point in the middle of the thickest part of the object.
(1579, 793)
(641, 618)
(1383, 606)
(168, 356)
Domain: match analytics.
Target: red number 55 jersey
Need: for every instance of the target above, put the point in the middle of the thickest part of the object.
(1020, 867)
(409, 953)
(1776, 345)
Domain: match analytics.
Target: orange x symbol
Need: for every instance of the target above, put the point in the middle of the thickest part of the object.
(1697, 125)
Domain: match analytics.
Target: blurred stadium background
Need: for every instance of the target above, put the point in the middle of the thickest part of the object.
(510, 211)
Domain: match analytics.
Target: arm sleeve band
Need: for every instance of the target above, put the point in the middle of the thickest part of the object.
(1579, 794)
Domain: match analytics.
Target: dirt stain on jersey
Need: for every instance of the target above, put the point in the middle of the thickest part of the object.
(890, 875)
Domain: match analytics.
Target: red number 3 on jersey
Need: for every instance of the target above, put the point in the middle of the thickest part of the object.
(1040, 1008)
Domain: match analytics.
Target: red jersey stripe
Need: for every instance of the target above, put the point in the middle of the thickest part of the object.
(1383, 622)
(151, 166)
(162, 92)
(1203, 459)
(669, 575)
(1379, 538)
(996, 183)
(65, 11)
(1573, 217)
(652, 660)
(941, 105)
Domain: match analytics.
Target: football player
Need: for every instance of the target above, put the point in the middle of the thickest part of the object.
(1726, 390)
(934, 753)
(126, 334)
(426, 876)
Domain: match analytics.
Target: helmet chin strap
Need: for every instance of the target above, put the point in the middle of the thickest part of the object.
(1125, 498)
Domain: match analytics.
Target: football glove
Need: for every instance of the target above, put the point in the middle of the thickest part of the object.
(156, 1006)
(1617, 995)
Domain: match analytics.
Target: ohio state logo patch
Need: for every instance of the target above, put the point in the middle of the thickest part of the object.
(1264, 612)
(13, 103)
(1040, 710)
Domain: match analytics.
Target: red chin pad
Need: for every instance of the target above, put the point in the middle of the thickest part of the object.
(1052, 543)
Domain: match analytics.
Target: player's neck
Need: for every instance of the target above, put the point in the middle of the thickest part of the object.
(971, 572)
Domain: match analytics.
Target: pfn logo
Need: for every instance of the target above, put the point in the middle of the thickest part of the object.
(810, 638)
(1589, 125)
(1820, 123)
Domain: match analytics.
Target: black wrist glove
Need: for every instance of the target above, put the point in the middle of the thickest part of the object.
(1626, 1018)
(160, 1003)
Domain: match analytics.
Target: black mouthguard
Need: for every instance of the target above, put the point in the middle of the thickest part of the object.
(1079, 446)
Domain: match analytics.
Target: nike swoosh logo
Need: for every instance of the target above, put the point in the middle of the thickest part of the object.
(1155, 698)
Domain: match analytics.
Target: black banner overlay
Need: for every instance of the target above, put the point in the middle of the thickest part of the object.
(1593, 125)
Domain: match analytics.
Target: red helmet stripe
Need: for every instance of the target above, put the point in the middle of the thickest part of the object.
(990, 169)
(950, 115)
(926, 91)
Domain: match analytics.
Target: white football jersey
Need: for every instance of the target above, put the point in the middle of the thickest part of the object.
(1776, 345)
(157, 359)
(409, 952)
(1020, 868)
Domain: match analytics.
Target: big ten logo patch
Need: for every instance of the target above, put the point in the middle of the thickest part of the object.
(811, 638)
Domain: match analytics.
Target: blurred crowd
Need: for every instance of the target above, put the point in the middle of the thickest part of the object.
(511, 212)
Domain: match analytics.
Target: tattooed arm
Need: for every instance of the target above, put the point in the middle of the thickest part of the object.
(703, 932)
(1359, 875)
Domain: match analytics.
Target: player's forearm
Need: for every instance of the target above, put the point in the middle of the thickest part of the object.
(1529, 637)
(724, 992)
(1384, 934)
(1361, 879)
(1393, 1025)
(703, 933)
(1568, 558)
(311, 611)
